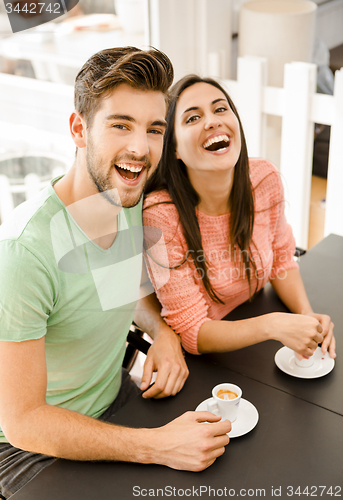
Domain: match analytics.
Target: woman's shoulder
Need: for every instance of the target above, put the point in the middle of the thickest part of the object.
(159, 204)
(264, 175)
(160, 212)
(261, 169)
(157, 197)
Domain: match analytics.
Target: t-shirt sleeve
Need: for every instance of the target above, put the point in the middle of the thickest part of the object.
(176, 283)
(283, 242)
(26, 294)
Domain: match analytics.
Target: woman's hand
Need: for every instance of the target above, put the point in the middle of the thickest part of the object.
(292, 292)
(301, 333)
(329, 342)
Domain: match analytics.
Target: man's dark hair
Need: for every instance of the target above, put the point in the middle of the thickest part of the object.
(105, 70)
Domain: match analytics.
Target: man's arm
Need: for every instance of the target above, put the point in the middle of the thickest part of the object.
(165, 355)
(31, 424)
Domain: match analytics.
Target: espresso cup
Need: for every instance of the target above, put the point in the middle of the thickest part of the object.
(225, 401)
(302, 361)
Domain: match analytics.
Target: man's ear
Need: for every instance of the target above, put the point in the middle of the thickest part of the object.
(77, 126)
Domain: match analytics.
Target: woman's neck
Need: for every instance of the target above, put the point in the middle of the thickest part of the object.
(214, 190)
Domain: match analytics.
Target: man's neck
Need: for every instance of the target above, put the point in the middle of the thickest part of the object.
(93, 213)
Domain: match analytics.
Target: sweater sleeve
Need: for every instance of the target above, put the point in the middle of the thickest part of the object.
(283, 242)
(174, 277)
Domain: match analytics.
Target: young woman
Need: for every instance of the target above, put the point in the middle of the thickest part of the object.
(224, 232)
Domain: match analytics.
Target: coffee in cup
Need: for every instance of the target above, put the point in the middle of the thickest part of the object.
(225, 401)
(226, 394)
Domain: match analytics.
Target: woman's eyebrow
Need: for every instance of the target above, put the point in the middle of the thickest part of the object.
(195, 108)
(218, 100)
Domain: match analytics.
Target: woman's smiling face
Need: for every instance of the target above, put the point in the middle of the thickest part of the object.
(207, 131)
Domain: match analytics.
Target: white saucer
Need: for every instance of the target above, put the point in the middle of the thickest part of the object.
(285, 360)
(246, 420)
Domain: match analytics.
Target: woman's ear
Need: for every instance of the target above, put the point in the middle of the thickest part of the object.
(78, 127)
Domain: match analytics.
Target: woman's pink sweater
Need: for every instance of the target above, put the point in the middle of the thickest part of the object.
(185, 303)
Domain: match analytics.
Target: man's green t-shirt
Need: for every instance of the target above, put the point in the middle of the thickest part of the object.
(56, 282)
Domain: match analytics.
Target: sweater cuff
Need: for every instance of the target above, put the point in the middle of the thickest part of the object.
(189, 337)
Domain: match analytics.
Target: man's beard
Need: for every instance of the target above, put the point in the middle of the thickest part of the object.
(104, 182)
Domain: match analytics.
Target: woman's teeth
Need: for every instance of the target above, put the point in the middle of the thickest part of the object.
(217, 143)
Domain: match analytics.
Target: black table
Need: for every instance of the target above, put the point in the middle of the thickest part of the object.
(321, 269)
(297, 443)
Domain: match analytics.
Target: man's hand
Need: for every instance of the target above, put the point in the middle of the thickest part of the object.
(166, 358)
(187, 443)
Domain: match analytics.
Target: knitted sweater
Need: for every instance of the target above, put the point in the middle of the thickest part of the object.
(185, 302)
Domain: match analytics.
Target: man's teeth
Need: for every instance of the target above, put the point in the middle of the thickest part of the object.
(218, 138)
(126, 166)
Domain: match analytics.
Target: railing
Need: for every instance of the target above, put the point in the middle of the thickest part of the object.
(300, 107)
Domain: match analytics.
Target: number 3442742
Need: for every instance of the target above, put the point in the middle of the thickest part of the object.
(30, 9)
(315, 491)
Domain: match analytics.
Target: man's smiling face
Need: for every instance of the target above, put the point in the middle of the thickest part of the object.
(124, 143)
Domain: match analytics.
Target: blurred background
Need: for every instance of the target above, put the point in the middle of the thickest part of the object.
(280, 60)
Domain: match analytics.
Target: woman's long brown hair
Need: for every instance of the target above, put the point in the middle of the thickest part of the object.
(171, 175)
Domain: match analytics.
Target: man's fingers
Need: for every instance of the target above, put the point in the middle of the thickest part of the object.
(169, 387)
(220, 441)
(148, 371)
(219, 426)
(181, 379)
(223, 427)
(206, 416)
(176, 380)
(159, 385)
(179, 384)
(169, 381)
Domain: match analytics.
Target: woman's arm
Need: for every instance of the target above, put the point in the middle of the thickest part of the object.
(298, 332)
(285, 277)
(291, 290)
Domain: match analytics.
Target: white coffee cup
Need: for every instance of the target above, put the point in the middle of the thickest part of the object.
(226, 408)
(302, 361)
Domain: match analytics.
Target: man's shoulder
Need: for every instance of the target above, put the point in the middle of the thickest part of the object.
(29, 225)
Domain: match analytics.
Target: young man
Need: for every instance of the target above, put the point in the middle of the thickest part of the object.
(70, 265)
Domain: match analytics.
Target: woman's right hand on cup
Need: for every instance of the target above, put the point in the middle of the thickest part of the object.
(298, 332)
